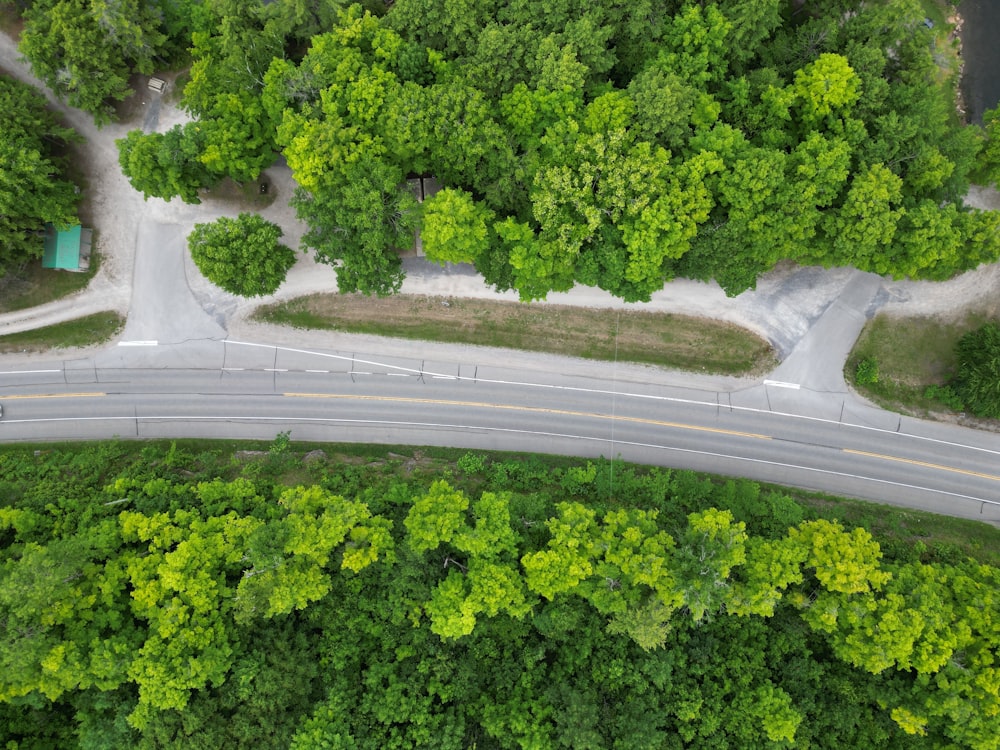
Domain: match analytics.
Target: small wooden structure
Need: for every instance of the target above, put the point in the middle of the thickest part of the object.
(156, 84)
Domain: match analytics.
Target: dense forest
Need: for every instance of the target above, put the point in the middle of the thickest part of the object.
(206, 596)
(35, 189)
(602, 143)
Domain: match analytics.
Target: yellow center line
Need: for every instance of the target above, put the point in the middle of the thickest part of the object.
(925, 464)
(535, 409)
(52, 395)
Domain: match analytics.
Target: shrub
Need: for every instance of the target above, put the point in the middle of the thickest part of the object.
(241, 255)
(946, 395)
(978, 381)
(866, 372)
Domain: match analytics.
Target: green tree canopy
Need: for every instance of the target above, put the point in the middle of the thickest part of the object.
(154, 596)
(34, 189)
(241, 255)
(85, 50)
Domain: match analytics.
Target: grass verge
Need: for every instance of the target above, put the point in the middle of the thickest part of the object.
(34, 285)
(86, 331)
(910, 353)
(662, 339)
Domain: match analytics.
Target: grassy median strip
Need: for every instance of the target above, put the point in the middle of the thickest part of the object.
(674, 341)
(86, 331)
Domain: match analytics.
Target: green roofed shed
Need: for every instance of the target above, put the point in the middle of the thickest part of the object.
(67, 249)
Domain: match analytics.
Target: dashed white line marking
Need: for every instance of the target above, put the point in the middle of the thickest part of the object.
(234, 369)
(321, 372)
(26, 372)
(275, 369)
(138, 343)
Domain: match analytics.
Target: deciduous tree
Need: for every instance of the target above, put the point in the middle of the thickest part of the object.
(34, 189)
(241, 255)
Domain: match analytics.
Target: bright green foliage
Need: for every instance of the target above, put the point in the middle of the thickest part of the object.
(930, 240)
(694, 44)
(85, 50)
(455, 229)
(978, 380)
(770, 568)
(569, 558)
(435, 517)
(62, 627)
(842, 562)
(290, 557)
(485, 551)
(866, 224)
(776, 713)
(241, 255)
(912, 625)
(237, 139)
(824, 89)
(181, 588)
(33, 188)
(621, 566)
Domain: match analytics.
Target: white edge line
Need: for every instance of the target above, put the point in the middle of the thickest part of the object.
(626, 394)
(433, 425)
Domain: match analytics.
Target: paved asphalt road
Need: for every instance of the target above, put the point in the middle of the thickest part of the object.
(770, 432)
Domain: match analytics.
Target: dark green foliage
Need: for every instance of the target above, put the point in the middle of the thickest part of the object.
(947, 395)
(978, 379)
(241, 255)
(34, 190)
(86, 51)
